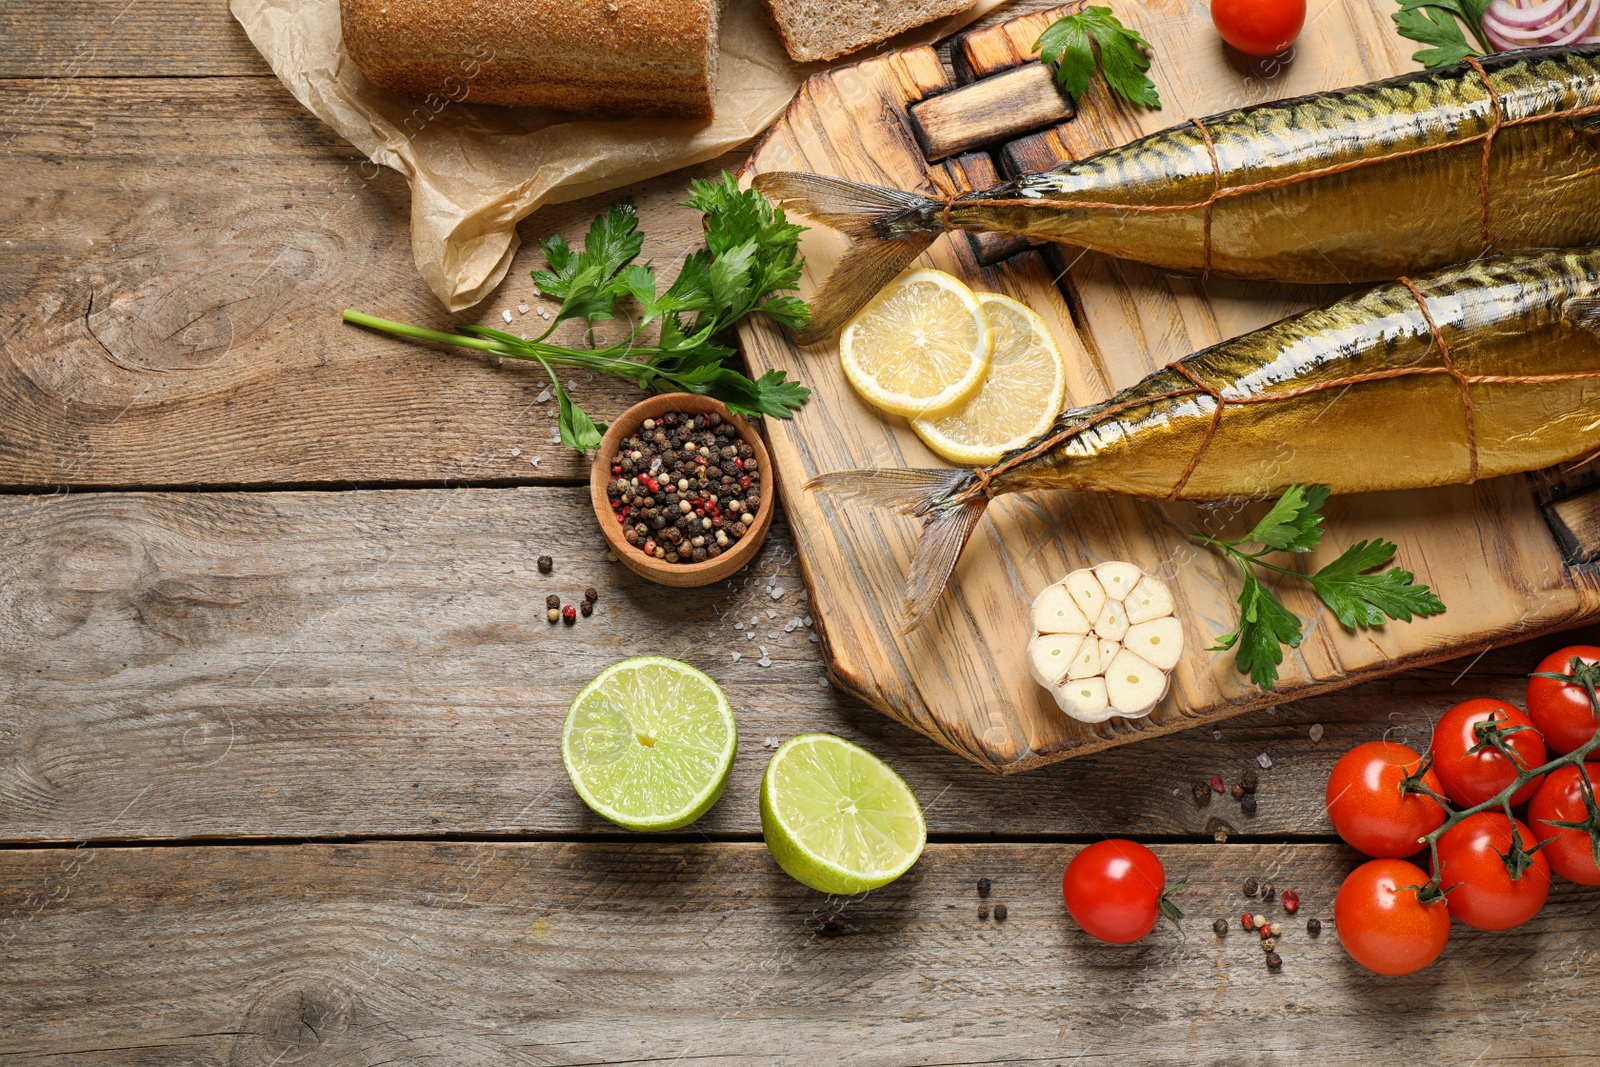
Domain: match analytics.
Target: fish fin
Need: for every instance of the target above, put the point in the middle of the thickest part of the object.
(915, 492)
(947, 522)
(944, 536)
(1582, 311)
(889, 228)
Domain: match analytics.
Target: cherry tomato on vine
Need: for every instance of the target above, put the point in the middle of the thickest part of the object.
(1571, 854)
(1472, 779)
(1474, 853)
(1115, 890)
(1259, 27)
(1368, 809)
(1382, 921)
(1561, 710)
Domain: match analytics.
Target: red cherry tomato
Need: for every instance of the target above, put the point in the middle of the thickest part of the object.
(1571, 854)
(1470, 780)
(1560, 709)
(1472, 853)
(1259, 27)
(1383, 924)
(1367, 807)
(1115, 891)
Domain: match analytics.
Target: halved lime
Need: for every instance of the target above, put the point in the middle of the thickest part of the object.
(649, 743)
(836, 818)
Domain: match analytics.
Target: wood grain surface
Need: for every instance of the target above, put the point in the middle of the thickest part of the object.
(205, 665)
(962, 678)
(450, 954)
(191, 668)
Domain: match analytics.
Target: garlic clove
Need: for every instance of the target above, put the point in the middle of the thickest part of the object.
(1086, 592)
(1083, 699)
(1112, 622)
(1150, 599)
(1117, 578)
(1051, 655)
(1107, 650)
(1055, 612)
(1134, 685)
(1087, 662)
(1158, 642)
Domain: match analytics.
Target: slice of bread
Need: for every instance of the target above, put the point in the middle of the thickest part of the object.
(826, 29)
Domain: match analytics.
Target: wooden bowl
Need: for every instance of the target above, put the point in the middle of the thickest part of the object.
(679, 575)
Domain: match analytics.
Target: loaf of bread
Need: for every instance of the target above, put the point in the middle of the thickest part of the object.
(826, 29)
(615, 57)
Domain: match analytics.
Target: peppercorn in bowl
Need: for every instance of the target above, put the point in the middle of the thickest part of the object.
(682, 490)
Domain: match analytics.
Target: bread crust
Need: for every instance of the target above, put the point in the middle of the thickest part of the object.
(627, 57)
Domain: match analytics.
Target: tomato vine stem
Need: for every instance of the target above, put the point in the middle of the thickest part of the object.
(1517, 860)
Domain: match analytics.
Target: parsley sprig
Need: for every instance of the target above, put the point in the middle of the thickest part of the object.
(1124, 55)
(1356, 596)
(751, 255)
(1433, 23)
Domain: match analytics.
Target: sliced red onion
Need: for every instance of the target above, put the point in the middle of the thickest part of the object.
(1545, 32)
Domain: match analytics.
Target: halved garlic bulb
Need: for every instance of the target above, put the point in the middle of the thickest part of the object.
(1105, 641)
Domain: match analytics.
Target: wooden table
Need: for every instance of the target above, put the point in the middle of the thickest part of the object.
(279, 780)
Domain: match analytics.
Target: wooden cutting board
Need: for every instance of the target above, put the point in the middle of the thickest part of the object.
(1510, 558)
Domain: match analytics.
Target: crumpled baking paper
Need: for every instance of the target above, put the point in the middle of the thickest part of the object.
(475, 170)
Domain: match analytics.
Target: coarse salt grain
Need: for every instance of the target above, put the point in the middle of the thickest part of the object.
(763, 649)
(771, 614)
(542, 398)
(765, 661)
(1316, 731)
(772, 635)
(777, 592)
(522, 309)
(789, 626)
(543, 314)
(738, 626)
(506, 315)
(736, 656)
(516, 451)
(771, 742)
(1264, 761)
(806, 621)
(811, 637)
(536, 460)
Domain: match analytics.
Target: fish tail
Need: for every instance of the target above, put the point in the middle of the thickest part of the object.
(949, 511)
(889, 228)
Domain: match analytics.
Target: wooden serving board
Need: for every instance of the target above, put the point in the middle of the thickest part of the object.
(1511, 557)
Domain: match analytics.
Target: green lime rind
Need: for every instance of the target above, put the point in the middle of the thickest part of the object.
(649, 744)
(837, 818)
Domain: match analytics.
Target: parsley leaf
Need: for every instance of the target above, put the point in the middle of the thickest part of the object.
(1294, 524)
(1356, 596)
(1124, 55)
(1362, 599)
(751, 255)
(1433, 22)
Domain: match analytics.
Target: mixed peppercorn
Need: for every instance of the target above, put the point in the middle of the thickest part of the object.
(685, 487)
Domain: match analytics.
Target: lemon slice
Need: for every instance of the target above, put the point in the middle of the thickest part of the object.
(1018, 400)
(649, 744)
(836, 818)
(920, 347)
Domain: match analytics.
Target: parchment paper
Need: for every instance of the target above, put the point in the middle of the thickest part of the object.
(476, 170)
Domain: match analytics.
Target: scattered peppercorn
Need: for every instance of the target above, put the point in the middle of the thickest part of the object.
(591, 594)
(1202, 792)
(983, 912)
(569, 614)
(1220, 927)
(1268, 944)
(983, 887)
(553, 614)
(1247, 804)
(1261, 922)
(1219, 829)
(546, 564)
(552, 601)
(1277, 929)
(1249, 781)
(1216, 783)
(586, 608)
(1291, 901)
(1237, 791)
(999, 913)
(1250, 887)
(1274, 961)
(1265, 929)
(1268, 891)
(1314, 927)
(1247, 921)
